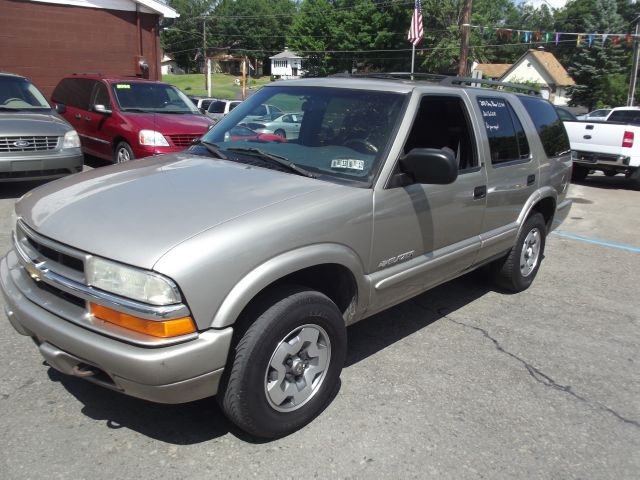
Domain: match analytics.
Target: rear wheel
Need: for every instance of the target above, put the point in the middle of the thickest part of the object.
(516, 271)
(280, 133)
(579, 173)
(123, 153)
(285, 367)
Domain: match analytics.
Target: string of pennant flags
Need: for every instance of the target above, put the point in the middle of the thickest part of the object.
(531, 36)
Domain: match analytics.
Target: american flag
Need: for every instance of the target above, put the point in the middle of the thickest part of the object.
(415, 31)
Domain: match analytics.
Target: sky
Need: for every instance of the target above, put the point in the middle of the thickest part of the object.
(549, 3)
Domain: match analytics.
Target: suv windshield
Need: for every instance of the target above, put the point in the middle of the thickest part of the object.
(17, 93)
(151, 97)
(336, 134)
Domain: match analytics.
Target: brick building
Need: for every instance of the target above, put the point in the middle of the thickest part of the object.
(47, 39)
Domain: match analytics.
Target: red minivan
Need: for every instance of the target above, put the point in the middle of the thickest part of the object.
(122, 118)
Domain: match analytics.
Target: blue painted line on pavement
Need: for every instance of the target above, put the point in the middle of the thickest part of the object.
(595, 241)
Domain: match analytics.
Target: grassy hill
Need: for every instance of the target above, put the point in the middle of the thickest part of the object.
(222, 85)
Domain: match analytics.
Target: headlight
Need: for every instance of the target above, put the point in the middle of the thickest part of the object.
(71, 140)
(130, 282)
(152, 138)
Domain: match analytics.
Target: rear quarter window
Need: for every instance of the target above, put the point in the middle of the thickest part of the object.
(74, 92)
(507, 140)
(548, 124)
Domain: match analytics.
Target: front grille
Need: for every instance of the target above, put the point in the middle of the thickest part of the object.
(35, 173)
(77, 301)
(183, 140)
(28, 144)
(58, 257)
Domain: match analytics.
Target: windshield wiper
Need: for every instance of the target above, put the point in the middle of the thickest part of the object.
(277, 159)
(212, 148)
(136, 110)
(9, 109)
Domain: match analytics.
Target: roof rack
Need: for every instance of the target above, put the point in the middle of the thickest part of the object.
(445, 80)
(471, 81)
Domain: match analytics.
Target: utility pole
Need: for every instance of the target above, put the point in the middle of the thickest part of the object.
(464, 38)
(634, 68)
(205, 59)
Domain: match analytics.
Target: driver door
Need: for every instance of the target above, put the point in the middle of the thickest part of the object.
(426, 234)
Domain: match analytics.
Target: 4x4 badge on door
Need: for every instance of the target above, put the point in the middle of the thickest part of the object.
(398, 258)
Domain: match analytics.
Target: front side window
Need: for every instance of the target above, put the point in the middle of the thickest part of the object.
(548, 124)
(17, 93)
(143, 97)
(442, 122)
(507, 140)
(335, 134)
(101, 96)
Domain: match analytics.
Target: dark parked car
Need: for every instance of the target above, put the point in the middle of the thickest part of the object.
(35, 142)
(121, 118)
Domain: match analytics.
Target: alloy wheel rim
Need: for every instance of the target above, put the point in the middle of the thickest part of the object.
(530, 252)
(297, 368)
(123, 155)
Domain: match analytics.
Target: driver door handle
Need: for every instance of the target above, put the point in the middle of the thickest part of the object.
(78, 116)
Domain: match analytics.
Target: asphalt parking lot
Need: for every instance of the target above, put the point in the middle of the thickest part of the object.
(460, 382)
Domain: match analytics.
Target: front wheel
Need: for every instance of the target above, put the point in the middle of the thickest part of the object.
(285, 367)
(280, 133)
(123, 153)
(516, 271)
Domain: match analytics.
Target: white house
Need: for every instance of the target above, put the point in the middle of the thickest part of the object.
(169, 65)
(286, 65)
(543, 68)
(535, 66)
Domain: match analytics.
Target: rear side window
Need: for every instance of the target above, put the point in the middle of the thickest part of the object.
(548, 124)
(626, 116)
(217, 107)
(74, 92)
(507, 140)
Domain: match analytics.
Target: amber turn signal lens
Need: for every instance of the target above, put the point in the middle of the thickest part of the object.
(163, 329)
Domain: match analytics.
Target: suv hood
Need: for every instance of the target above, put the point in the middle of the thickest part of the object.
(136, 212)
(170, 123)
(23, 123)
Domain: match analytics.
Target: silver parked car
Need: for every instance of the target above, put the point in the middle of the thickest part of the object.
(284, 125)
(35, 142)
(234, 268)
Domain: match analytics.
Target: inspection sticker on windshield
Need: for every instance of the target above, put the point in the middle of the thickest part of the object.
(347, 163)
(123, 85)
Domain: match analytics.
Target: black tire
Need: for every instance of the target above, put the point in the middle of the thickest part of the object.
(280, 133)
(123, 153)
(243, 395)
(579, 173)
(508, 272)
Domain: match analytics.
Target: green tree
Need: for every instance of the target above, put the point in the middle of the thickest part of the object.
(182, 37)
(592, 66)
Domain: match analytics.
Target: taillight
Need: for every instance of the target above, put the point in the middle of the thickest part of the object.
(627, 140)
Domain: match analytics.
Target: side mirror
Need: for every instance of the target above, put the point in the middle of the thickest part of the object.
(101, 109)
(60, 108)
(431, 165)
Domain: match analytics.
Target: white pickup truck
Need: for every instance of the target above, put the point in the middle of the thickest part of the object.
(612, 147)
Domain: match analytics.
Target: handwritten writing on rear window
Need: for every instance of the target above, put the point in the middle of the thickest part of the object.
(489, 108)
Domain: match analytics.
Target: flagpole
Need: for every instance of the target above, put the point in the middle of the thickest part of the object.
(413, 59)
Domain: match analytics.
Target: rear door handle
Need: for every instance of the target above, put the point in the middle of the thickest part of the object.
(531, 179)
(88, 119)
(480, 192)
(78, 116)
(587, 137)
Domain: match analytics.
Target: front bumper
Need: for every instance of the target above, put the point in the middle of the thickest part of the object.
(171, 374)
(40, 166)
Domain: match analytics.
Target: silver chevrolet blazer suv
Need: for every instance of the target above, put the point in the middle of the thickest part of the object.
(234, 268)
